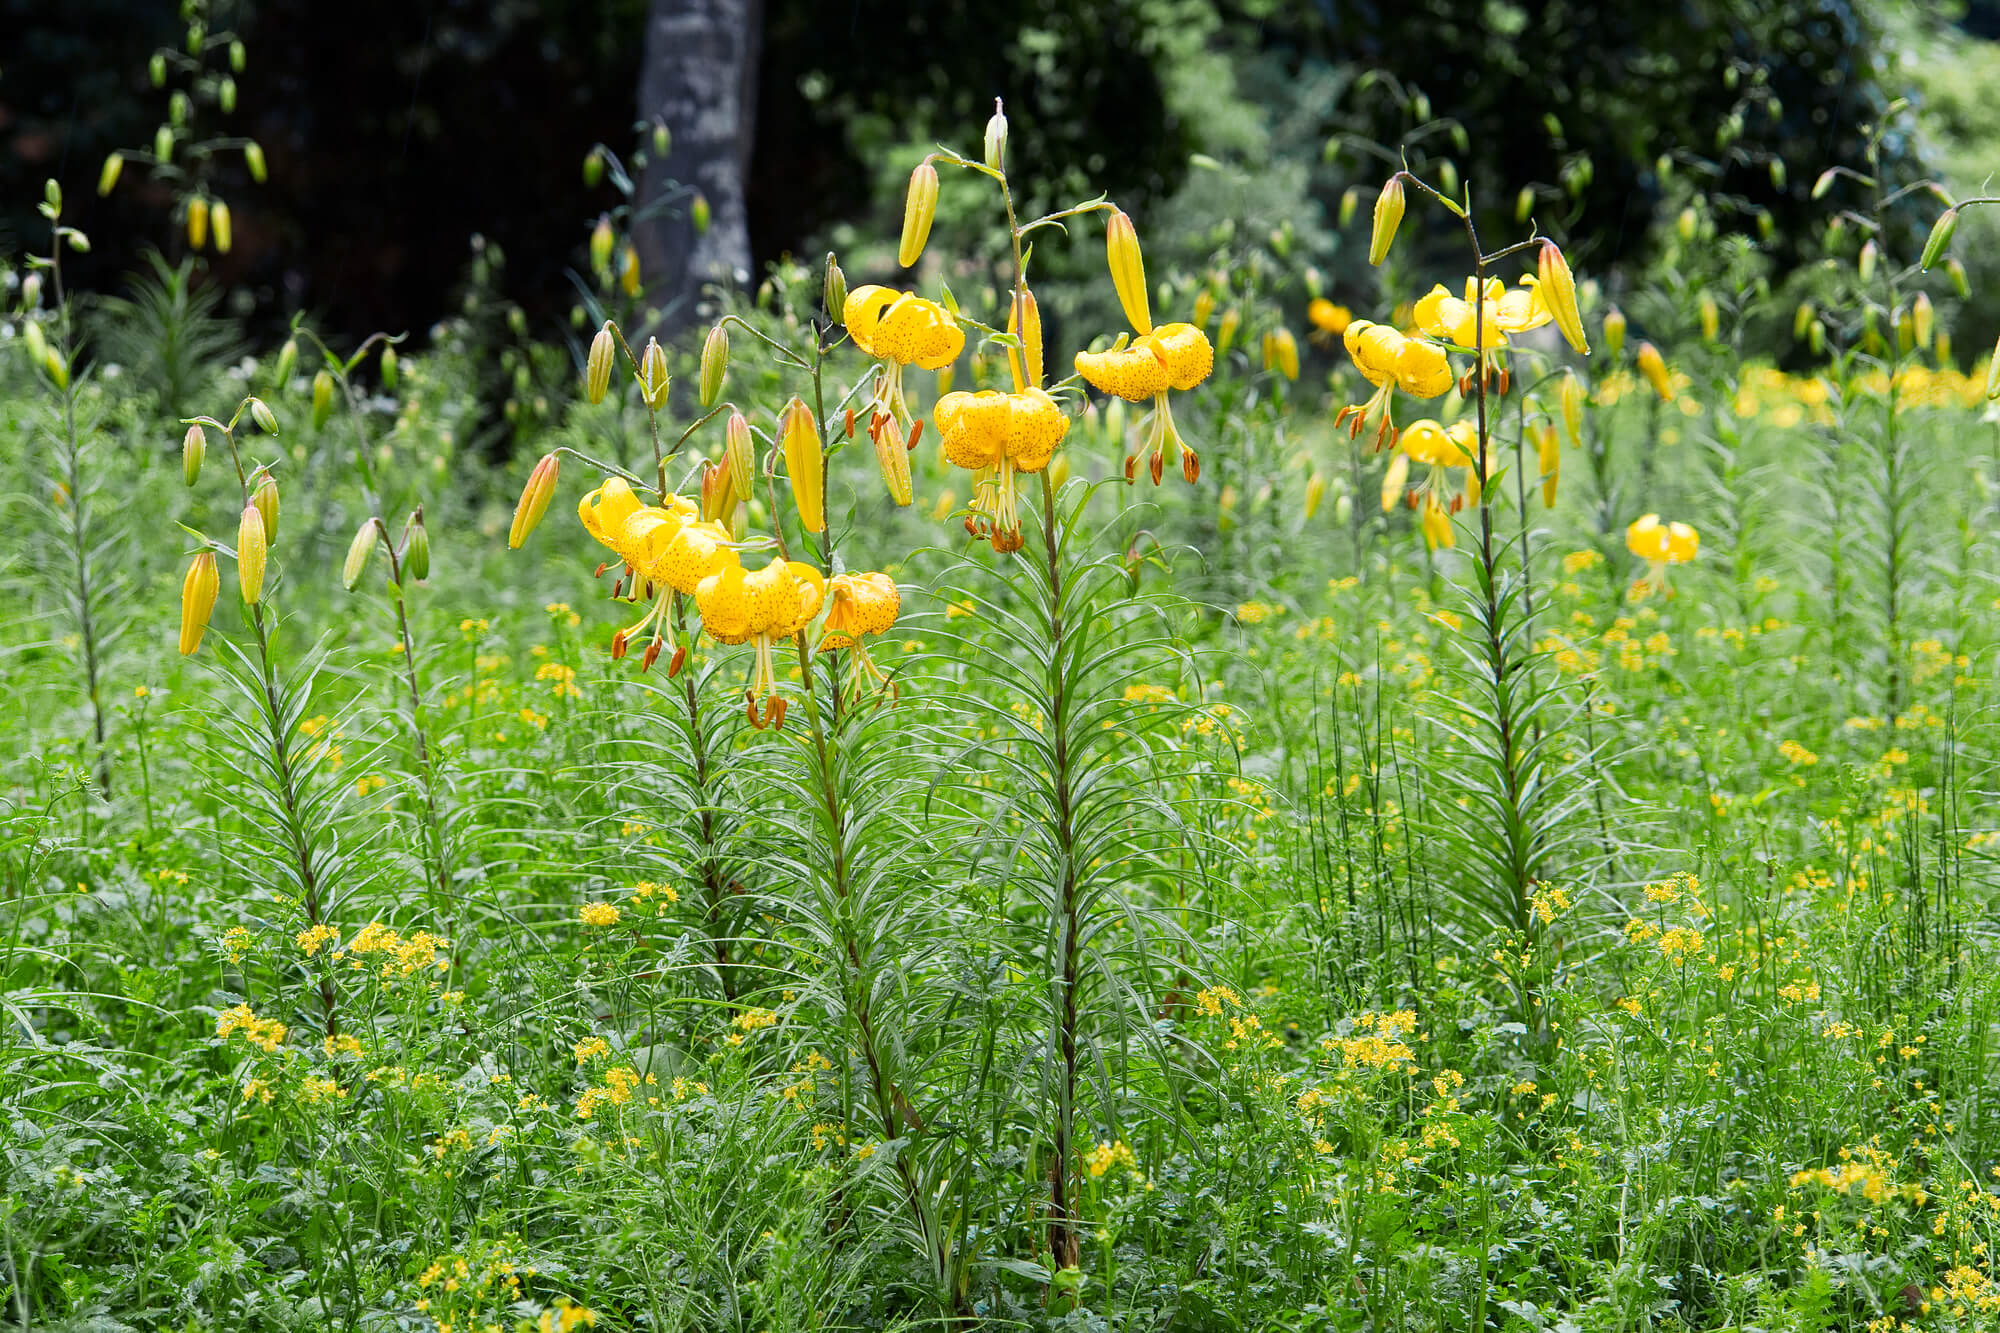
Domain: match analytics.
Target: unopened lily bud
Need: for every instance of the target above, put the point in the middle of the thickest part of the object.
(1802, 318)
(237, 54)
(593, 169)
(1024, 319)
(628, 271)
(1350, 204)
(57, 367)
(389, 368)
(1686, 223)
(322, 399)
(1944, 348)
(265, 497)
(179, 108)
(107, 176)
(739, 452)
(1128, 270)
(1225, 332)
(416, 548)
(1871, 331)
(833, 289)
(700, 214)
(198, 593)
(1548, 456)
(1281, 353)
(223, 226)
(1388, 217)
(163, 144)
(1448, 177)
(1958, 282)
(714, 365)
(1940, 237)
(1711, 317)
(1993, 374)
(805, 464)
(358, 552)
(663, 141)
(261, 413)
(1556, 286)
(194, 448)
(225, 96)
(1654, 367)
(1570, 397)
(1343, 509)
(156, 69)
(1614, 330)
(1816, 337)
(251, 549)
(31, 291)
(919, 210)
(1315, 492)
(1922, 319)
(1865, 265)
(1204, 308)
(37, 342)
(1524, 203)
(197, 223)
(718, 494)
(653, 377)
(288, 360)
(597, 367)
(995, 144)
(253, 158)
(1906, 331)
(602, 239)
(534, 500)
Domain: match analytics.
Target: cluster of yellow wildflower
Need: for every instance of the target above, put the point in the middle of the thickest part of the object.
(266, 1034)
(598, 914)
(620, 1081)
(1548, 902)
(1105, 1156)
(1376, 1041)
(401, 956)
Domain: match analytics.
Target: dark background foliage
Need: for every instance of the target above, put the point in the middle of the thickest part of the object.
(398, 130)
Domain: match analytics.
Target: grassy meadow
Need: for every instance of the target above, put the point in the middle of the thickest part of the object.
(1238, 848)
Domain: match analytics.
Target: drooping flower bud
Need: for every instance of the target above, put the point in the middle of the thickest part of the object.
(288, 360)
(1388, 217)
(1204, 308)
(197, 223)
(1128, 270)
(534, 501)
(628, 271)
(1556, 286)
(253, 158)
(654, 380)
(597, 368)
(739, 454)
(156, 69)
(237, 55)
(416, 547)
(1865, 265)
(833, 289)
(261, 413)
(805, 464)
(1958, 282)
(322, 399)
(31, 291)
(107, 176)
(1711, 318)
(358, 552)
(1024, 319)
(198, 593)
(593, 169)
(389, 368)
(1802, 319)
(1922, 319)
(163, 144)
(265, 496)
(251, 549)
(1570, 397)
(1548, 457)
(37, 341)
(1315, 492)
(1654, 367)
(602, 239)
(714, 365)
(663, 141)
(225, 96)
(1614, 330)
(700, 214)
(1281, 352)
(194, 448)
(995, 144)
(1350, 204)
(222, 224)
(919, 210)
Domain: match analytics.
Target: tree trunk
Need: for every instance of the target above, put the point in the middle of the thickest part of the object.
(700, 81)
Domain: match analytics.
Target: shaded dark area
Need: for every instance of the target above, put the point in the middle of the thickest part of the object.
(397, 129)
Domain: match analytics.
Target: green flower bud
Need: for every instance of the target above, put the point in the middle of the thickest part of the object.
(322, 399)
(714, 365)
(416, 547)
(194, 448)
(261, 413)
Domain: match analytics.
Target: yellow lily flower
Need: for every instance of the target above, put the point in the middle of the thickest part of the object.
(1172, 356)
(665, 549)
(1659, 545)
(1483, 320)
(860, 604)
(1390, 360)
(898, 329)
(996, 436)
(760, 607)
